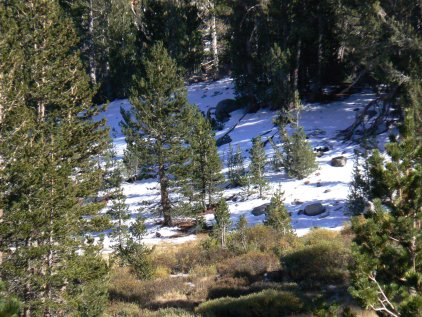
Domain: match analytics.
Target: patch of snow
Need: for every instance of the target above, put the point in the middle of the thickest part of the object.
(328, 185)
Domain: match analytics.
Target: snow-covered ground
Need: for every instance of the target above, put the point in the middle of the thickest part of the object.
(328, 185)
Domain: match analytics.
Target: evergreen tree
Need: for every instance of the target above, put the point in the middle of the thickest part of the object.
(298, 157)
(119, 214)
(136, 254)
(177, 24)
(387, 264)
(9, 306)
(158, 122)
(223, 222)
(241, 230)
(257, 165)
(49, 178)
(359, 189)
(277, 215)
(112, 176)
(204, 166)
(235, 165)
(110, 47)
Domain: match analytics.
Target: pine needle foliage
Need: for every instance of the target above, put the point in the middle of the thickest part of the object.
(359, 189)
(387, 247)
(298, 157)
(49, 174)
(156, 126)
(277, 216)
(257, 165)
(203, 169)
(235, 164)
(223, 222)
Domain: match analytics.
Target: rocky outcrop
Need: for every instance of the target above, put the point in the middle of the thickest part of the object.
(314, 209)
(339, 161)
(260, 210)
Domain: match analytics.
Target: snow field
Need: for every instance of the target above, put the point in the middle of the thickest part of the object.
(328, 185)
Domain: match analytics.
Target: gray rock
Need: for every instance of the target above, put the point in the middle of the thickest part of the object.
(321, 149)
(224, 108)
(339, 161)
(260, 210)
(314, 209)
(297, 202)
(225, 139)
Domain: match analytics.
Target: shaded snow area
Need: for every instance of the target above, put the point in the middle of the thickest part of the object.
(328, 185)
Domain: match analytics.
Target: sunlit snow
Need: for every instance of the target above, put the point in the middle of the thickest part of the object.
(328, 185)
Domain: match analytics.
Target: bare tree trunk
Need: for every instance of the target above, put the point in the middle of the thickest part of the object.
(91, 48)
(318, 83)
(165, 200)
(214, 41)
(295, 76)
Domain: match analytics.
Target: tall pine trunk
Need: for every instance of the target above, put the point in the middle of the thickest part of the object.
(91, 46)
(214, 42)
(318, 84)
(295, 77)
(165, 200)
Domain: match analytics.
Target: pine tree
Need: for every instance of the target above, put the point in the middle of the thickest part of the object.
(241, 230)
(235, 165)
(157, 122)
(387, 264)
(223, 222)
(257, 165)
(9, 306)
(49, 176)
(204, 168)
(298, 157)
(277, 215)
(119, 214)
(136, 253)
(109, 43)
(359, 188)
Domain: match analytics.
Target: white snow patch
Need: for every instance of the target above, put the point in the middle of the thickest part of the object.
(328, 185)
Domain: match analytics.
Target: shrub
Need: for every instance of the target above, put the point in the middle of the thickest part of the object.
(266, 303)
(318, 263)
(125, 287)
(161, 272)
(120, 309)
(250, 265)
(318, 235)
(166, 312)
(262, 238)
(229, 286)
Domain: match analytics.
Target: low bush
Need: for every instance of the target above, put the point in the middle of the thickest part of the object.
(270, 303)
(166, 312)
(250, 265)
(229, 286)
(318, 235)
(125, 287)
(262, 238)
(318, 263)
(120, 309)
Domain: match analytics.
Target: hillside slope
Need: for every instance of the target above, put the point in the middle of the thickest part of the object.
(328, 185)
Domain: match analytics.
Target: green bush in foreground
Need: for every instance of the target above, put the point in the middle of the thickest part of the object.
(266, 303)
(318, 264)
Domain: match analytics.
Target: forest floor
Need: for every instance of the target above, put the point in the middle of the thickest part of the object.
(328, 185)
